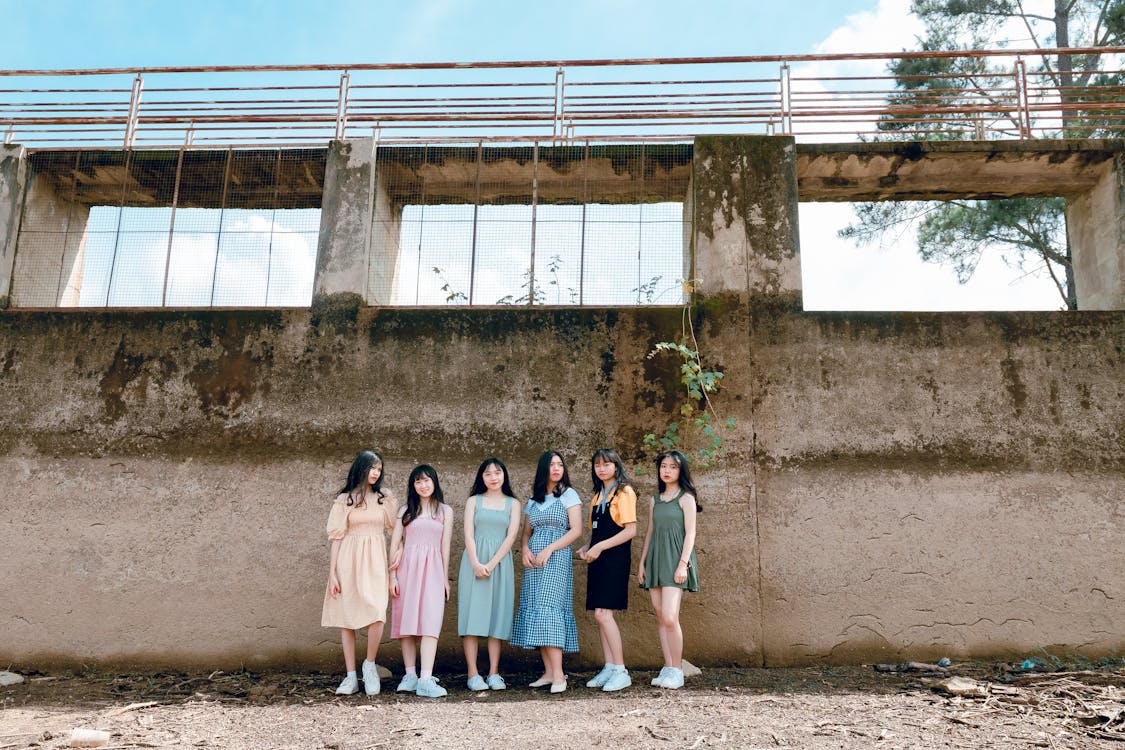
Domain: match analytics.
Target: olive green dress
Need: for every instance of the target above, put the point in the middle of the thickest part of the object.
(666, 547)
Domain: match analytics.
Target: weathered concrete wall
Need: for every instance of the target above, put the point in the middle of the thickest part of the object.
(898, 485)
(52, 247)
(1096, 226)
(13, 178)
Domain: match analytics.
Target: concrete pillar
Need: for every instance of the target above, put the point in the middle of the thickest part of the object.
(1096, 225)
(357, 253)
(52, 245)
(744, 212)
(13, 179)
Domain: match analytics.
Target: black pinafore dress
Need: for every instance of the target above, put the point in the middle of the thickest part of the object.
(607, 582)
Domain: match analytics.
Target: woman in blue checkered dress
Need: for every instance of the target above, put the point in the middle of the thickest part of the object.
(545, 618)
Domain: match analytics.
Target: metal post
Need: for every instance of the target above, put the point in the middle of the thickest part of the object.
(534, 202)
(342, 106)
(172, 227)
(476, 211)
(1022, 99)
(222, 215)
(134, 111)
(786, 90)
(558, 128)
(582, 241)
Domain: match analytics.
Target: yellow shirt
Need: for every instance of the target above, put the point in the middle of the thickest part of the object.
(622, 506)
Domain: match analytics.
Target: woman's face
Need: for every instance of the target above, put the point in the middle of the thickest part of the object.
(555, 469)
(374, 473)
(493, 477)
(669, 470)
(424, 486)
(605, 470)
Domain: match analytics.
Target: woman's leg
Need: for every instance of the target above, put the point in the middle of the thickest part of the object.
(374, 636)
(552, 658)
(347, 637)
(658, 607)
(611, 636)
(429, 651)
(670, 623)
(409, 653)
(493, 656)
(470, 644)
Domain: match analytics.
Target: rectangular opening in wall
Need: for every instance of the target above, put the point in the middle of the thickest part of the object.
(169, 229)
(523, 225)
(934, 255)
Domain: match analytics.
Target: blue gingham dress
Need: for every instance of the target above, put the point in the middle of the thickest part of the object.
(546, 613)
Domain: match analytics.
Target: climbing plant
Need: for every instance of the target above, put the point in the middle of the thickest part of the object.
(697, 430)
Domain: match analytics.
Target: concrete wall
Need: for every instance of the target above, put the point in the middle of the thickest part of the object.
(896, 486)
(13, 179)
(1096, 223)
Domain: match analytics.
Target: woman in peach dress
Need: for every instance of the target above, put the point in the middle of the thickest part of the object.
(357, 592)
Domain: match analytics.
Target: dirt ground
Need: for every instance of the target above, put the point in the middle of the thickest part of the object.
(837, 707)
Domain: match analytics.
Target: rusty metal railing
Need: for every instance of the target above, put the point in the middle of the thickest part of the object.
(813, 97)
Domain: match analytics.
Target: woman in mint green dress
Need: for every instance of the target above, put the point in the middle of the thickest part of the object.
(486, 582)
(667, 567)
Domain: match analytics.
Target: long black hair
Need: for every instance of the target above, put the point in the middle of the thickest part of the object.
(479, 487)
(543, 474)
(685, 476)
(356, 485)
(413, 499)
(609, 456)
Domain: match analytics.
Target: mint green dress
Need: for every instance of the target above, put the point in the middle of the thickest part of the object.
(666, 547)
(485, 605)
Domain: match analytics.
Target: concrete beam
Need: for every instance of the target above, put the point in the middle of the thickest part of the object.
(1096, 226)
(947, 170)
(13, 181)
(744, 205)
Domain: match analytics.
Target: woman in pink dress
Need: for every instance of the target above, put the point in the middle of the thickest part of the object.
(420, 578)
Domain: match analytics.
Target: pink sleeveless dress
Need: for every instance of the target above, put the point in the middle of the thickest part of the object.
(420, 605)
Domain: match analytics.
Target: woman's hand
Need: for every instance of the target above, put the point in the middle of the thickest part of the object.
(481, 571)
(593, 553)
(333, 585)
(528, 558)
(680, 576)
(394, 588)
(542, 558)
(641, 573)
(396, 558)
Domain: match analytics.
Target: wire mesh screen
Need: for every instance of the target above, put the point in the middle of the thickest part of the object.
(169, 228)
(530, 224)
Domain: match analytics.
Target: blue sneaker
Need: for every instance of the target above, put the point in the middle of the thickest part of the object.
(658, 681)
(428, 688)
(601, 678)
(409, 683)
(674, 680)
(476, 683)
(495, 682)
(619, 680)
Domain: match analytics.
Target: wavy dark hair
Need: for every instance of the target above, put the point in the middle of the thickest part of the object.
(479, 487)
(356, 485)
(542, 476)
(413, 499)
(620, 476)
(685, 476)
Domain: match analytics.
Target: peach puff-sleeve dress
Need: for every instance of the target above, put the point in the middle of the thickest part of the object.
(361, 563)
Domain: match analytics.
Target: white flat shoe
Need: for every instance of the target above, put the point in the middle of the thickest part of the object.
(541, 682)
(558, 687)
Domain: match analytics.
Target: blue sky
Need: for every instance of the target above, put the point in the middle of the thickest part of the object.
(55, 34)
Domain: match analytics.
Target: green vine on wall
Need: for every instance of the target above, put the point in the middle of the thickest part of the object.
(697, 413)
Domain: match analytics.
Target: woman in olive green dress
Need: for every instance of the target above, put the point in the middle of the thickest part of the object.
(667, 567)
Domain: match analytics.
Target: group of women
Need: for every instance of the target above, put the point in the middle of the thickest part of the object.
(414, 574)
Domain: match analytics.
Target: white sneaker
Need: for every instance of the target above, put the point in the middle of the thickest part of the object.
(601, 678)
(349, 686)
(619, 680)
(674, 680)
(658, 681)
(476, 683)
(371, 683)
(408, 684)
(428, 688)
